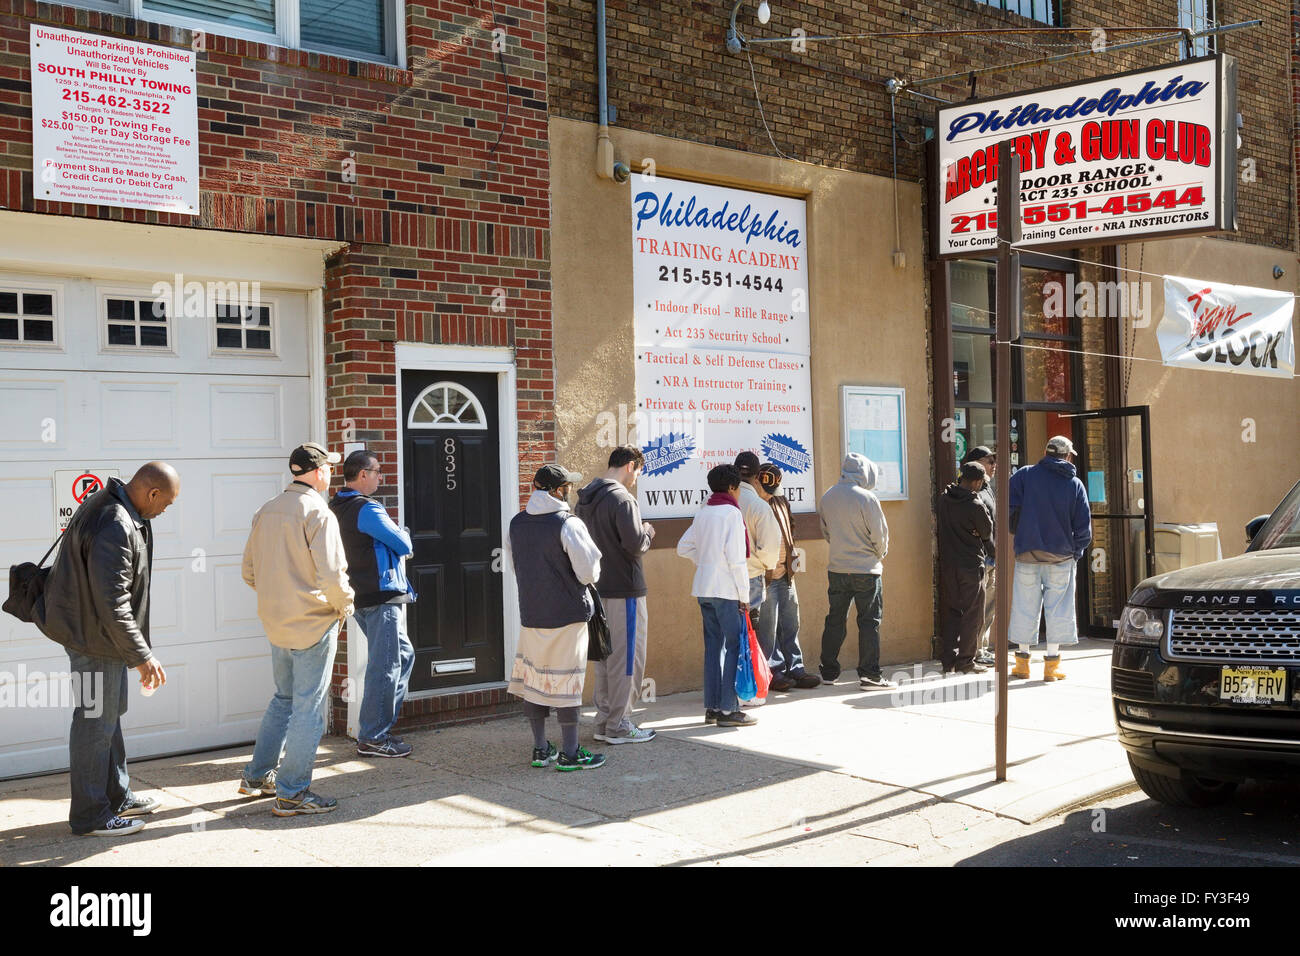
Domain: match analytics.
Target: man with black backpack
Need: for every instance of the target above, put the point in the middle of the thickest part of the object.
(96, 604)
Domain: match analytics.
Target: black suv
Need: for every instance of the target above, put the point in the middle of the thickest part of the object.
(1205, 675)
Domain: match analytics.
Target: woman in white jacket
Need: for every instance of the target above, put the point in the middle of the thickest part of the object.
(716, 541)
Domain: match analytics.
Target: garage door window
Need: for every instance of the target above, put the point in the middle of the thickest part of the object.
(26, 317)
(137, 323)
(244, 329)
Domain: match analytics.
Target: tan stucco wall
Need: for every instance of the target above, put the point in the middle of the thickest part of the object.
(1202, 469)
(868, 324)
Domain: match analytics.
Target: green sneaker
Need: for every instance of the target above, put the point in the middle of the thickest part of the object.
(543, 758)
(583, 760)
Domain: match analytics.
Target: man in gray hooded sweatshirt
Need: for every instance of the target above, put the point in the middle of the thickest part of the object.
(854, 524)
(610, 511)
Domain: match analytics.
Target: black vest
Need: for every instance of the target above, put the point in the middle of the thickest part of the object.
(363, 569)
(550, 594)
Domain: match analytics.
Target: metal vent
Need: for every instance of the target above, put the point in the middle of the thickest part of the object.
(1137, 685)
(1219, 635)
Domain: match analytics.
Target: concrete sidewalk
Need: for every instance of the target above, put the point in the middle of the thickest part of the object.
(829, 776)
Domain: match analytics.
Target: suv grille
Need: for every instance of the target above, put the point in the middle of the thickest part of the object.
(1203, 634)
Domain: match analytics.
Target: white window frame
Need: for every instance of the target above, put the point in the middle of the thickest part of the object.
(227, 352)
(479, 426)
(102, 295)
(288, 30)
(1190, 18)
(10, 285)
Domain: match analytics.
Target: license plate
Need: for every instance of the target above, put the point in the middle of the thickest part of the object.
(1253, 685)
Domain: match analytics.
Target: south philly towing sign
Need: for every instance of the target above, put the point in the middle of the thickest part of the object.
(1147, 154)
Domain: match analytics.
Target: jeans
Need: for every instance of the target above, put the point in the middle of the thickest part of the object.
(294, 720)
(389, 656)
(96, 751)
(778, 629)
(722, 623)
(1043, 588)
(866, 591)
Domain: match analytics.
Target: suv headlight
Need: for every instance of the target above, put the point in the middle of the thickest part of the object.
(1137, 625)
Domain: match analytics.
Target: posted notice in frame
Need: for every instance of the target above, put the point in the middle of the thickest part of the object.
(114, 122)
(722, 341)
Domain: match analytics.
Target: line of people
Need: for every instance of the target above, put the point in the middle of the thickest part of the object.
(1051, 522)
(314, 563)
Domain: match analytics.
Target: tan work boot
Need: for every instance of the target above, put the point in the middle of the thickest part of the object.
(1022, 666)
(1052, 668)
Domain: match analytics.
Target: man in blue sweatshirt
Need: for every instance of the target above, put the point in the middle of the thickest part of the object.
(1053, 527)
(375, 548)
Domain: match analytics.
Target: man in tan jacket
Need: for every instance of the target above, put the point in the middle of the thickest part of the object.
(295, 562)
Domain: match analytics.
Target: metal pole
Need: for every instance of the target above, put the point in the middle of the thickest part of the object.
(1008, 329)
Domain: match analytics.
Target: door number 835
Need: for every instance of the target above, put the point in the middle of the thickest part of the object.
(449, 462)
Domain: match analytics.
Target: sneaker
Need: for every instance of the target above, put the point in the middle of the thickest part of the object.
(736, 719)
(599, 735)
(546, 757)
(876, 683)
(388, 747)
(711, 716)
(258, 788)
(985, 658)
(807, 681)
(782, 684)
(139, 806)
(754, 702)
(976, 668)
(305, 802)
(633, 736)
(117, 826)
(584, 759)
(829, 677)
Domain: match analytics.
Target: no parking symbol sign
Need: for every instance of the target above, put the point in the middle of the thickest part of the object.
(72, 487)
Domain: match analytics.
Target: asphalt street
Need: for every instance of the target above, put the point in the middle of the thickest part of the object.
(1259, 826)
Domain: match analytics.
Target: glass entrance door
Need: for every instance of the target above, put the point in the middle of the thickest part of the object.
(1114, 464)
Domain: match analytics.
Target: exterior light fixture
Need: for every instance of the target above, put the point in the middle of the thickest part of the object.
(764, 12)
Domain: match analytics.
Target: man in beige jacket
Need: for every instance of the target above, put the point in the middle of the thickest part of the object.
(295, 562)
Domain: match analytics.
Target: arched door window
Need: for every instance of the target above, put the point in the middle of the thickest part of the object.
(446, 405)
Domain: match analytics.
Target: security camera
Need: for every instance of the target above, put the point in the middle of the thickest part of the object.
(622, 172)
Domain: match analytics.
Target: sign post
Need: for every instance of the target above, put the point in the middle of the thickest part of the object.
(1008, 330)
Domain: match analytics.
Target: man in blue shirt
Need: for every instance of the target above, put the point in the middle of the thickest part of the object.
(375, 548)
(1053, 527)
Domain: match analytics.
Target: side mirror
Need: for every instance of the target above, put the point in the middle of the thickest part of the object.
(1253, 526)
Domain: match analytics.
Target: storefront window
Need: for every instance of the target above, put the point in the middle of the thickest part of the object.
(972, 367)
(973, 294)
(1048, 370)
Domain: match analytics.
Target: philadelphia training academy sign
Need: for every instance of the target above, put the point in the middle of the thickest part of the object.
(1139, 155)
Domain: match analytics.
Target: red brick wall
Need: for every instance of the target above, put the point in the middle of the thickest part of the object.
(450, 200)
(669, 73)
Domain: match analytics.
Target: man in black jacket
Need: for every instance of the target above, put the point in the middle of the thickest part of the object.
(983, 455)
(964, 529)
(609, 510)
(96, 604)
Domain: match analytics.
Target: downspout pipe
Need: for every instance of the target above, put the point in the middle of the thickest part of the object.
(605, 165)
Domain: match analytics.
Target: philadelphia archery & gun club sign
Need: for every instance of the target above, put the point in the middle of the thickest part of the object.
(1147, 154)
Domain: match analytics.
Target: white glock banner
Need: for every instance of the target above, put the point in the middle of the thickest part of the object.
(1227, 328)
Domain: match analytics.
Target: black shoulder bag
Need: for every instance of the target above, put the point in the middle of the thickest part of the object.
(27, 585)
(598, 641)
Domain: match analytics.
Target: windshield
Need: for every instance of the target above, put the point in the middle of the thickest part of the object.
(1282, 530)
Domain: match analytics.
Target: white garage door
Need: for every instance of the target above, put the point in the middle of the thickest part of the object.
(91, 378)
